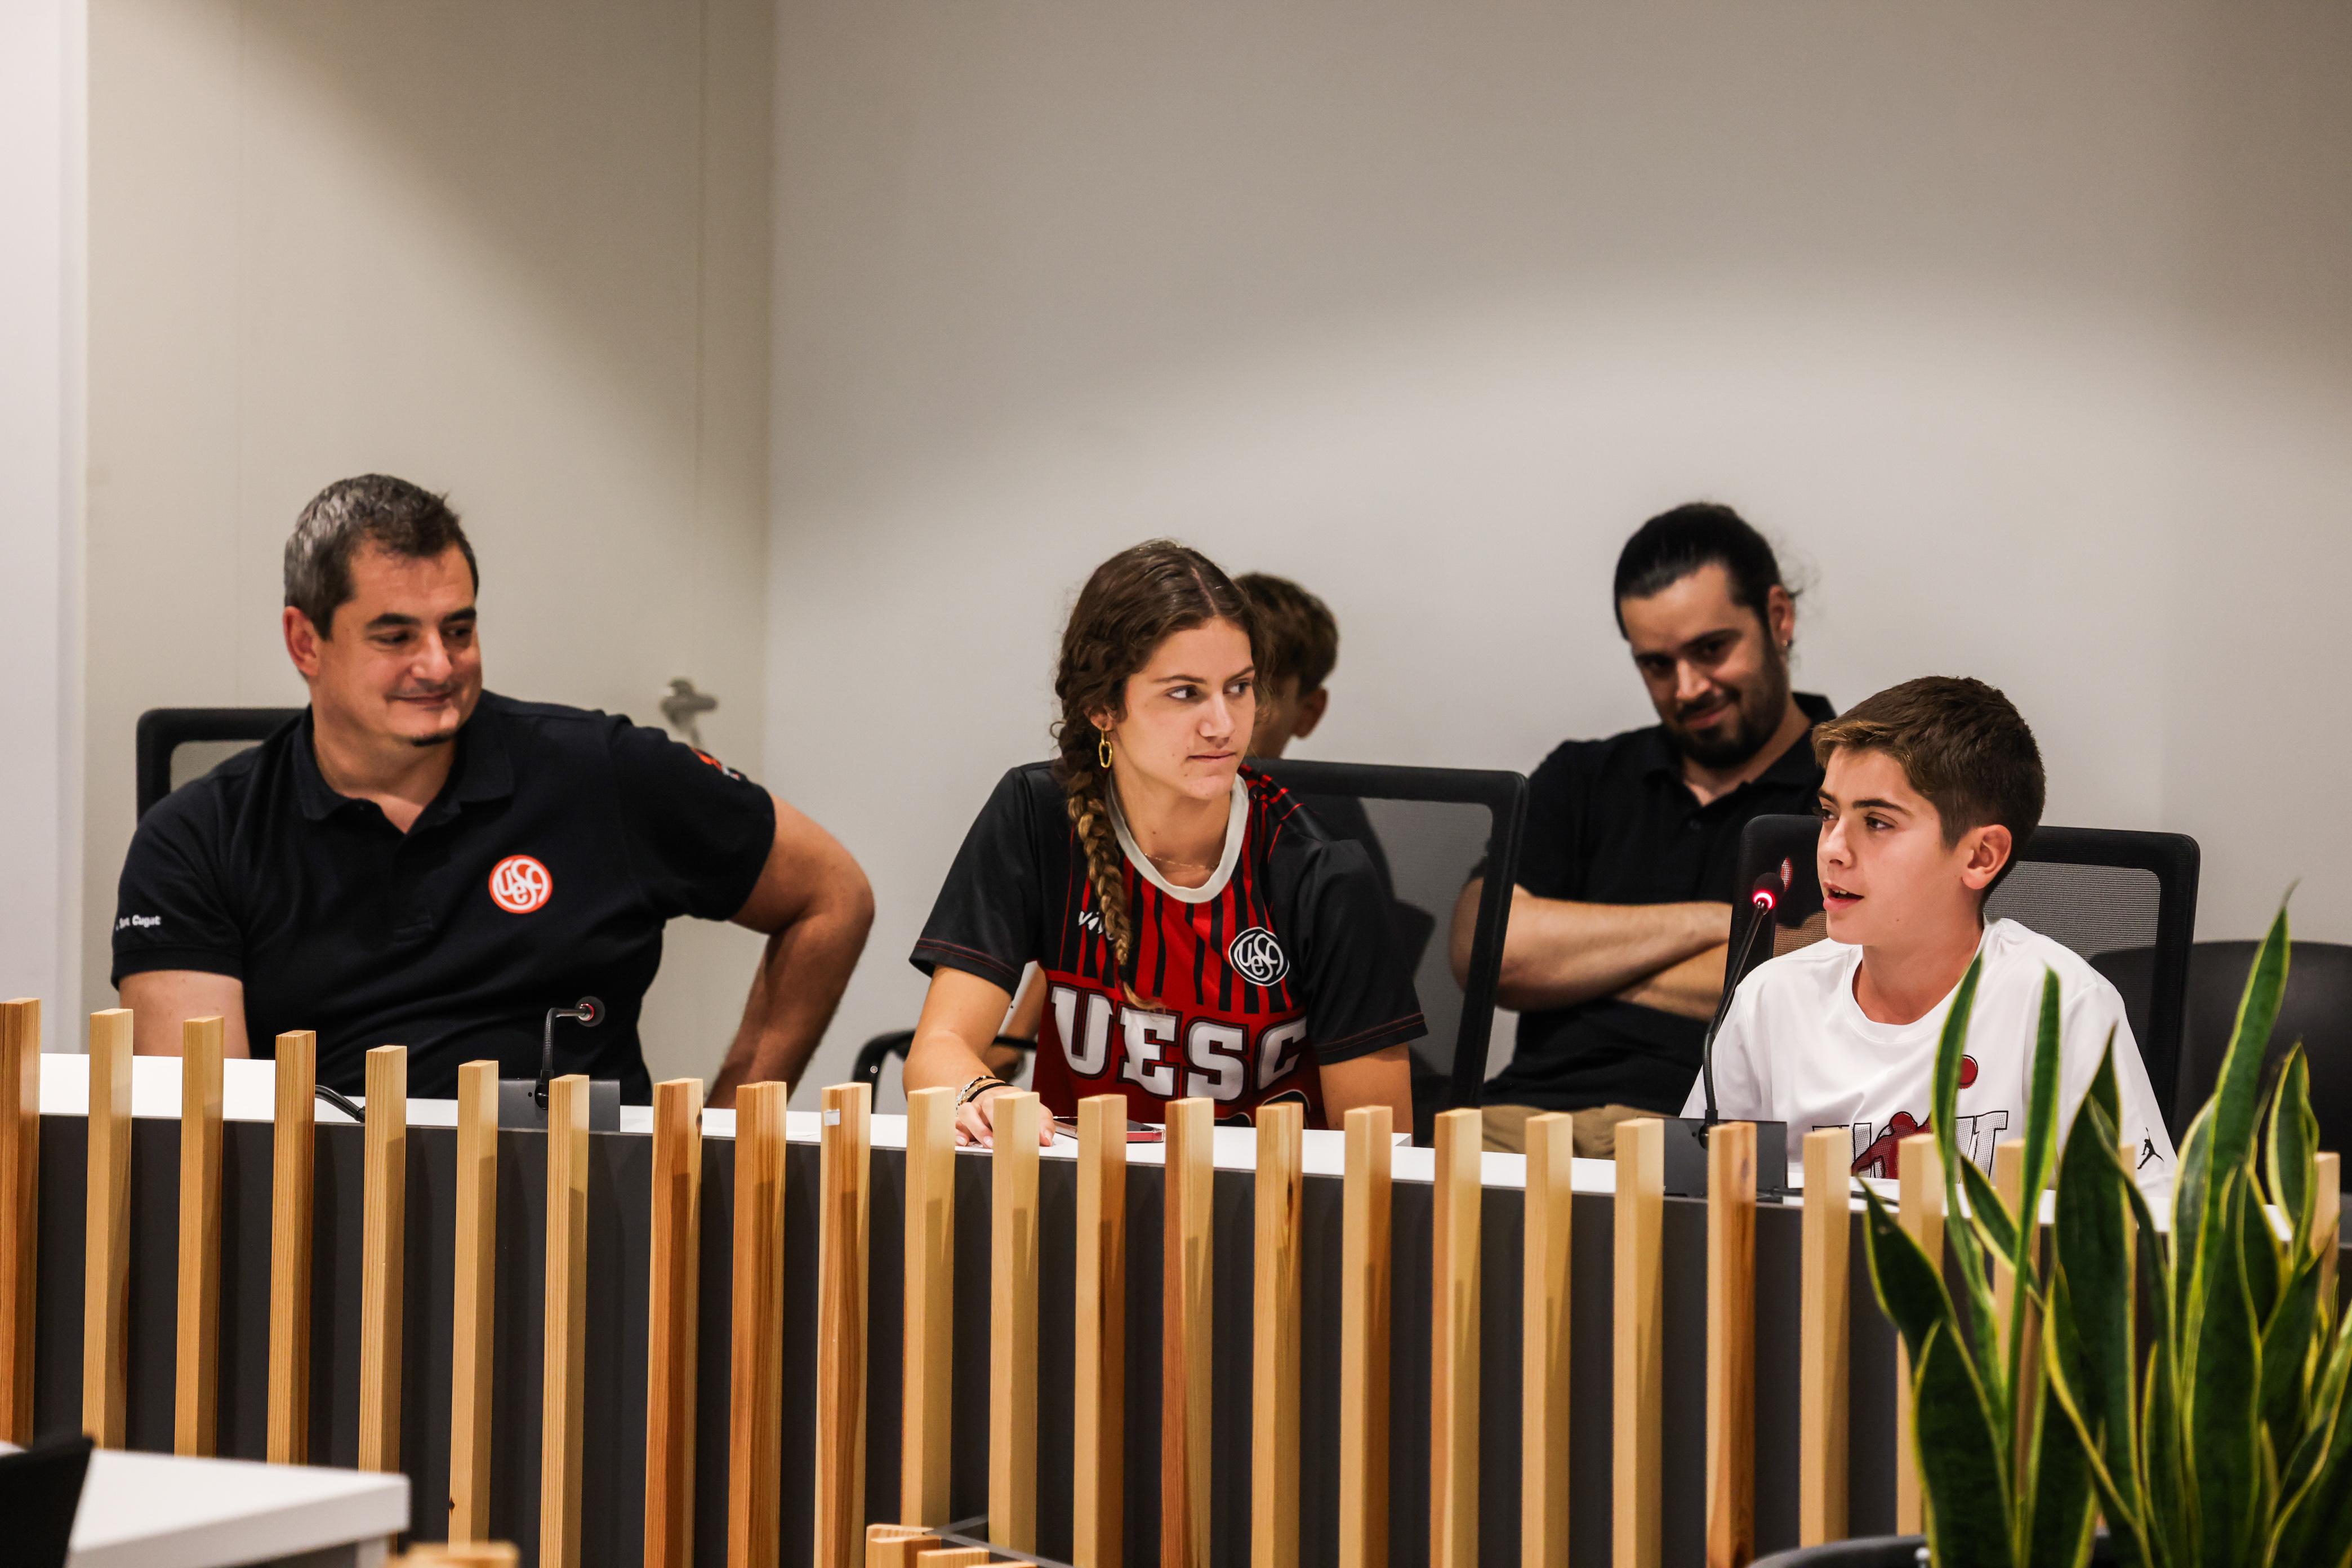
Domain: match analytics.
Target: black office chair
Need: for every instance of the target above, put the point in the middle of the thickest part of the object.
(1427, 830)
(221, 732)
(2315, 1010)
(2098, 890)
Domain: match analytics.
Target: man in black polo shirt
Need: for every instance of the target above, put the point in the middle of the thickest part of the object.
(1615, 952)
(418, 862)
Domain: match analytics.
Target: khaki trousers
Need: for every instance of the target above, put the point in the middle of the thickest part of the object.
(1504, 1128)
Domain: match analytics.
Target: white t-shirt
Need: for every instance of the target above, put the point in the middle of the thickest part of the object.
(1796, 1047)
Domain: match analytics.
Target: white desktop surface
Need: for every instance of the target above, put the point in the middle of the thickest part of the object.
(156, 1510)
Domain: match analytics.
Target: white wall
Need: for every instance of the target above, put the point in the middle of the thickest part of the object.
(515, 250)
(2023, 327)
(42, 105)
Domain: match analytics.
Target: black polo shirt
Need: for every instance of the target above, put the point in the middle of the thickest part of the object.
(1611, 821)
(542, 872)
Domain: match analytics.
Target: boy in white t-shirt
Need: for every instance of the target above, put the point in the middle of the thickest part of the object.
(1929, 788)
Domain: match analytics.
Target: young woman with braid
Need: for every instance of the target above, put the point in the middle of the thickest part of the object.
(1199, 933)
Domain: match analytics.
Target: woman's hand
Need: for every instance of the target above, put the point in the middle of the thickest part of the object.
(976, 1122)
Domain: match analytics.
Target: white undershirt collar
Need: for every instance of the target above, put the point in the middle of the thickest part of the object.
(1236, 822)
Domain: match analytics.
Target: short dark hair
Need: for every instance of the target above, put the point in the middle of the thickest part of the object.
(1297, 636)
(394, 515)
(1961, 744)
(1674, 544)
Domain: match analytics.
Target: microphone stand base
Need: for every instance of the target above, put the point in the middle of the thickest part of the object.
(1685, 1163)
(518, 1105)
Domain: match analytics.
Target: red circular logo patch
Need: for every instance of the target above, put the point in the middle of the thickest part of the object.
(1968, 1071)
(520, 884)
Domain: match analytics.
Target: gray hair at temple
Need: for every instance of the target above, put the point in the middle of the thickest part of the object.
(394, 515)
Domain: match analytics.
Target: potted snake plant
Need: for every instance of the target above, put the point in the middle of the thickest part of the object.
(2220, 1437)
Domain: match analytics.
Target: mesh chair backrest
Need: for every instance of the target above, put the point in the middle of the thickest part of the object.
(2092, 909)
(174, 745)
(1429, 831)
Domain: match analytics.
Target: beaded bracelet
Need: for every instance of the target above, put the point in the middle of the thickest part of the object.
(979, 1087)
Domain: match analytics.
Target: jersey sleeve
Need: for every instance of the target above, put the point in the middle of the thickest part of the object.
(172, 908)
(986, 918)
(1360, 997)
(698, 832)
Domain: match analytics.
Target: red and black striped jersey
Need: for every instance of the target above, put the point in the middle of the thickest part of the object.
(1238, 989)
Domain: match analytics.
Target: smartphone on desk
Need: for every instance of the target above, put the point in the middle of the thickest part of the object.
(1136, 1131)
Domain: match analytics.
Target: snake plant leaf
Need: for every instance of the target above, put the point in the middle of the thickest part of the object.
(2164, 1476)
(2286, 1356)
(2042, 1103)
(2103, 1093)
(2062, 1368)
(2290, 1154)
(1996, 1227)
(1966, 1250)
(2236, 1102)
(2223, 1382)
(2057, 1502)
(2188, 1189)
(2315, 1523)
(1961, 1465)
(2094, 1250)
(1910, 1289)
(2326, 1411)
(2266, 1268)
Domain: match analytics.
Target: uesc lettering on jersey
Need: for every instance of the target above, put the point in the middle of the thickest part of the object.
(1169, 1055)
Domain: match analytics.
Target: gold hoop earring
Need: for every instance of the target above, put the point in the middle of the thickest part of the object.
(1102, 746)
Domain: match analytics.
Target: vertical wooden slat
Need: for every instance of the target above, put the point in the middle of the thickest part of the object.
(106, 1277)
(1364, 1312)
(20, 1191)
(1188, 1319)
(1274, 1342)
(1731, 1344)
(384, 1257)
(1013, 1322)
(1454, 1343)
(564, 1377)
(293, 1146)
(1543, 1341)
(195, 1413)
(2328, 1220)
(1638, 1357)
(473, 1302)
(895, 1546)
(673, 1302)
(755, 1380)
(1822, 1357)
(1098, 1513)
(1919, 1193)
(841, 1325)
(929, 1363)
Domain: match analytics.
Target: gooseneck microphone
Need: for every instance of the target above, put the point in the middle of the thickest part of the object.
(591, 1013)
(1762, 899)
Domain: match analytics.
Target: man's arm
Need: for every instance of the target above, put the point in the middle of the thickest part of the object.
(816, 907)
(161, 1000)
(1557, 953)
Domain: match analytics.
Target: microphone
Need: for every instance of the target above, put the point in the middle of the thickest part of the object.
(1762, 899)
(587, 1015)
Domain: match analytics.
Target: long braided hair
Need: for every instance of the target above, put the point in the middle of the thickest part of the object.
(1134, 601)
